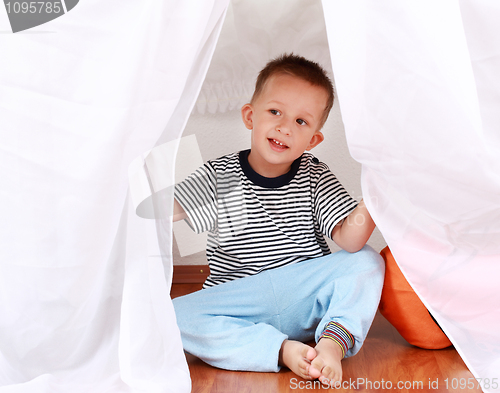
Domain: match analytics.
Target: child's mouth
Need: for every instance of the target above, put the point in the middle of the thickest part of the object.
(277, 145)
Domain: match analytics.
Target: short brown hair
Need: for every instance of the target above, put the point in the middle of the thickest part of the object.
(299, 67)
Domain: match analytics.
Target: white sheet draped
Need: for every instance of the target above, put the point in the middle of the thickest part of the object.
(84, 296)
(419, 90)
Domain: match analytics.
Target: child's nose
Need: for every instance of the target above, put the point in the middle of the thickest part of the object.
(284, 127)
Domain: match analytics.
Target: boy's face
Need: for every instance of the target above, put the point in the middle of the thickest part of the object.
(285, 120)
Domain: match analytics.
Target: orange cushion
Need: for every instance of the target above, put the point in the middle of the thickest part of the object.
(401, 306)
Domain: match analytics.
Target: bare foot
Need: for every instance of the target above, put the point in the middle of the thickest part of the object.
(297, 357)
(326, 366)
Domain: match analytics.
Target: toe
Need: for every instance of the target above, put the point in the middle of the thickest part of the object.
(303, 370)
(314, 372)
(334, 379)
(327, 372)
(336, 382)
(333, 383)
(310, 354)
(318, 363)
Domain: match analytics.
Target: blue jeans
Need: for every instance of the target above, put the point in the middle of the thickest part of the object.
(241, 324)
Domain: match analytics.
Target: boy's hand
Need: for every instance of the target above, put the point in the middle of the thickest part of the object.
(179, 213)
(355, 230)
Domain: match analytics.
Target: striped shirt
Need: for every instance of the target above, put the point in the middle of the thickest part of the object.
(256, 223)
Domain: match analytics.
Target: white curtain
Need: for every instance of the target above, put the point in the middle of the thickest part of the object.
(84, 285)
(419, 90)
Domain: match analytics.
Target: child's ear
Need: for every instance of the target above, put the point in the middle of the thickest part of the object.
(247, 115)
(317, 138)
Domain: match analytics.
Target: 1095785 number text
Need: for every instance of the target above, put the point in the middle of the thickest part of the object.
(34, 7)
(471, 383)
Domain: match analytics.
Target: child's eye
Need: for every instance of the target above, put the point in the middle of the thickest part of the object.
(301, 122)
(275, 112)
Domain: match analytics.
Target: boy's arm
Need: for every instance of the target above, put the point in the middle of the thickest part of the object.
(179, 213)
(355, 230)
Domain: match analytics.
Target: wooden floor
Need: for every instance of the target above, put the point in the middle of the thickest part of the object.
(386, 362)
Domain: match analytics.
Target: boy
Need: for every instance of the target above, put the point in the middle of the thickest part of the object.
(273, 282)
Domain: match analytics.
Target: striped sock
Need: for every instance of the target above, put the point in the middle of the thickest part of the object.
(336, 332)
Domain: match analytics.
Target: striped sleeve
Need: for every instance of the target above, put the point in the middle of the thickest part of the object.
(332, 203)
(197, 196)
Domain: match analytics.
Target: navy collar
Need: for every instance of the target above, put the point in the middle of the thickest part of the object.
(267, 182)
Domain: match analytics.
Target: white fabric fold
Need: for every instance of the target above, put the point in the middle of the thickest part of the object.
(84, 299)
(418, 87)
